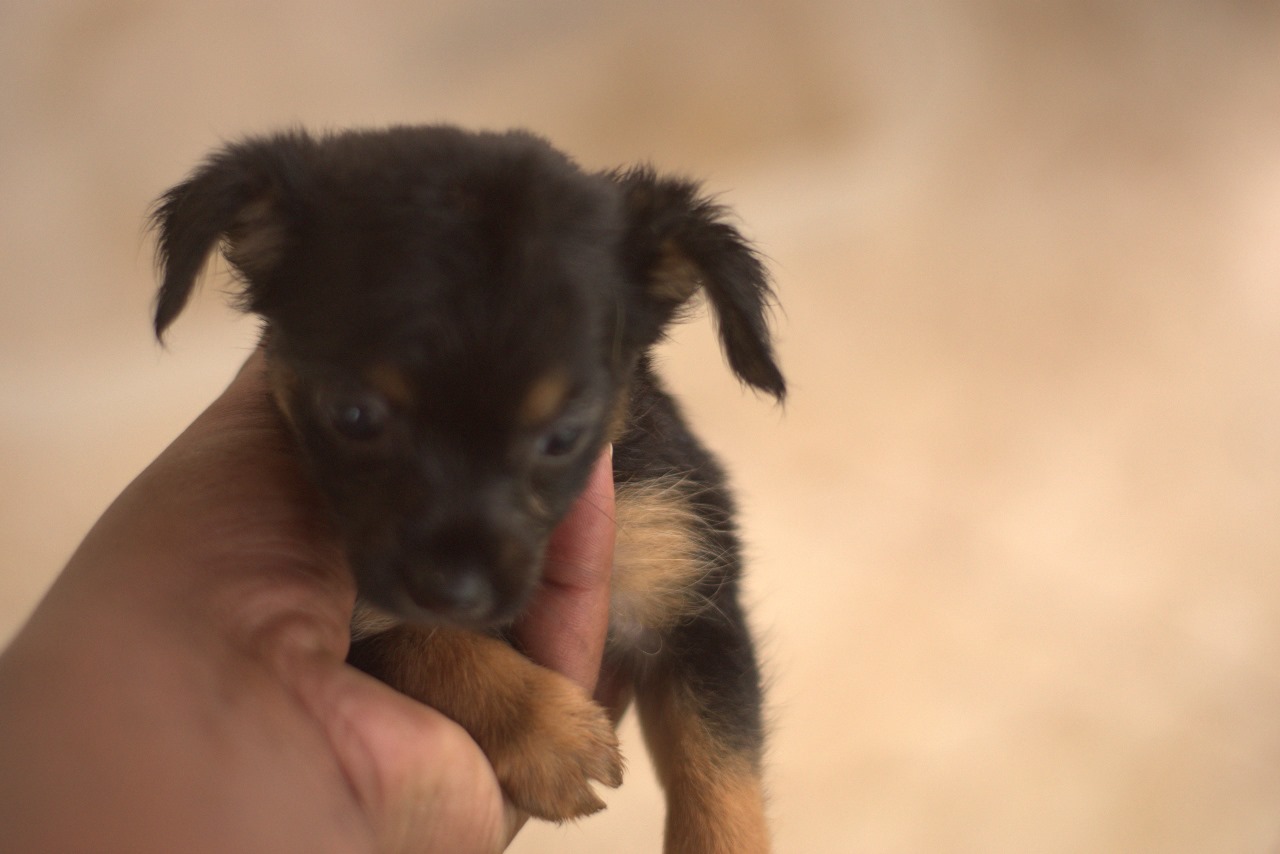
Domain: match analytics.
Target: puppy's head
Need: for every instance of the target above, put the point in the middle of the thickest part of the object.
(451, 320)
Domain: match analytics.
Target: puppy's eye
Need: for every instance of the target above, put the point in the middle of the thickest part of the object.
(360, 418)
(562, 440)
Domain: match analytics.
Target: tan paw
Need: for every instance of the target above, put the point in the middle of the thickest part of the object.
(549, 756)
(547, 741)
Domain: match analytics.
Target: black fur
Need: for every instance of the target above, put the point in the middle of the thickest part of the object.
(714, 652)
(417, 283)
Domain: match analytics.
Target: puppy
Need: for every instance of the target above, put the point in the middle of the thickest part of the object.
(456, 324)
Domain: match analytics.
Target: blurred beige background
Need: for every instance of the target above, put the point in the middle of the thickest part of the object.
(1016, 560)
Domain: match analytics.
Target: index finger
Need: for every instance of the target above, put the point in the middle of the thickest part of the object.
(565, 627)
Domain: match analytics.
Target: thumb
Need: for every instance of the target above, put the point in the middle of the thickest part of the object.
(420, 780)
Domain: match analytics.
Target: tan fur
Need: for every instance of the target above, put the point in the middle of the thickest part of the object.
(658, 558)
(545, 398)
(619, 414)
(675, 278)
(544, 737)
(368, 621)
(391, 382)
(715, 799)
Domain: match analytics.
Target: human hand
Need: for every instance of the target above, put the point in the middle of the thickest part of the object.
(182, 686)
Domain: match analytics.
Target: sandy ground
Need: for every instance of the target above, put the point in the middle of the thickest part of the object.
(1014, 538)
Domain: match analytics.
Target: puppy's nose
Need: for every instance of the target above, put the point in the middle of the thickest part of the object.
(463, 591)
(471, 571)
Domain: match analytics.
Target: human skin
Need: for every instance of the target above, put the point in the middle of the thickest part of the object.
(182, 686)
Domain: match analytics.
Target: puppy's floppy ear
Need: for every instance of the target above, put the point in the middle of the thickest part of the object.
(677, 242)
(234, 198)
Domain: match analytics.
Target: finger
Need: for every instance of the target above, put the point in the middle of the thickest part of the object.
(421, 782)
(247, 396)
(226, 521)
(565, 627)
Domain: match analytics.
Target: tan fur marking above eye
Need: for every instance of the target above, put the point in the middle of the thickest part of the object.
(675, 278)
(545, 398)
(658, 558)
(392, 383)
(714, 795)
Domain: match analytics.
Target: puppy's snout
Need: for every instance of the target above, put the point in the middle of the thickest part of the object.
(469, 572)
(462, 591)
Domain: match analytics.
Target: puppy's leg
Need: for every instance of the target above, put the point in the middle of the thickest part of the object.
(545, 738)
(700, 710)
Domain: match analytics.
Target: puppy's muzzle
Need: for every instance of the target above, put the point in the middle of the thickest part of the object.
(463, 572)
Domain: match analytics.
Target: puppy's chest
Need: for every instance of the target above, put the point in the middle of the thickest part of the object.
(661, 559)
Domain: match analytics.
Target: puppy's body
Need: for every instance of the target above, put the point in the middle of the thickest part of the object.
(456, 324)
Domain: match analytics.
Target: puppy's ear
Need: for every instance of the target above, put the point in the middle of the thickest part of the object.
(677, 242)
(233, 199)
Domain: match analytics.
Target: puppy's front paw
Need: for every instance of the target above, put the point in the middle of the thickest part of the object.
(547, 758)
(547, 741)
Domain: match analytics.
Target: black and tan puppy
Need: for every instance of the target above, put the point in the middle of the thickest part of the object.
(456, 324)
